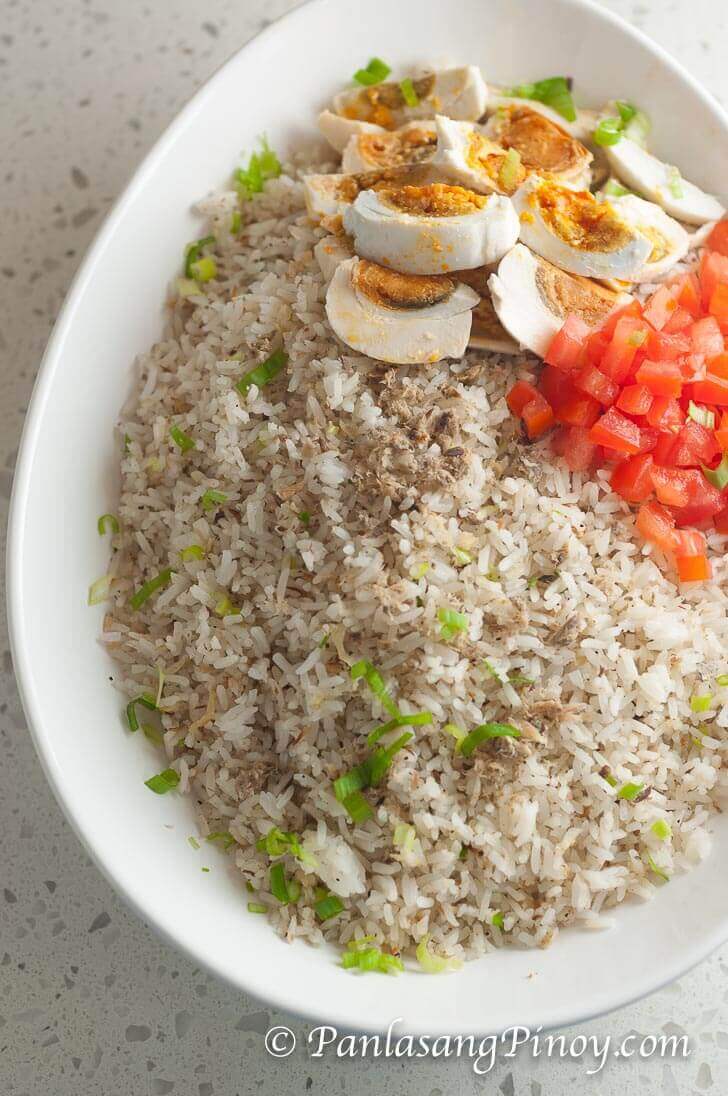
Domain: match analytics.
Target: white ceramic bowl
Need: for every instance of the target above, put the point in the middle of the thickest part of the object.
(66, 477)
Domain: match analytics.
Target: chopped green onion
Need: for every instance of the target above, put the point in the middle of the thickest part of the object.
(452, 623)
(262, 373)
(718, 476)
(284, 890)
(370, 771)
(376, 71)
(224, 839)
(674, 182)
(235, 222)
(484, 733)
(701, 703)
(107, 522)
(146, 701)
(701, 415)
(364, 668)
(186, 287)
(381, 759)
(358, 808)
(324, 641)
(204, 269)
(608, 132)
(163, 782)
(204, 869)
(457, 732)
(153, 733)
(183, 441)
(498, 919)
(629, 791)
(225, 607)
(722, 680)
(408, 92)
(257, 907)
(328, 907)
(613, 189)
(606, 775)
(517, 679)
(192, 551)
(419, 571)
(510, 170)
(193, 842)
(249, 887)
(127, 443)
(463, 854)
(554, 92)
(360, 954)
(657, 869)
(145, 592)
(626, 111)
(305, 518)
(212, 498)
(192, 253)
(99, 590)
(262, 166)
(415, 719)
(462, 556)
(661, 829)
(434, 964)
(491, 671)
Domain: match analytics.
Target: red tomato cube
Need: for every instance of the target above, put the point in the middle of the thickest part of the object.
(537, 416)
(713, 272)
(616, 431)
(665, 413)
(661, 306)
(688, 294)
(635, 399)
(718, 305)
(657, 525)
(575, 446)
(631, 478)
(662, 378)
(707, 337)
(718, 239)
(579, 410)
(693, 568)
(590, 380)
(521, 394)
(567, 344)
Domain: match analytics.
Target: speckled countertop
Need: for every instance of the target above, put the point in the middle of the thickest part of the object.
(90, 1001)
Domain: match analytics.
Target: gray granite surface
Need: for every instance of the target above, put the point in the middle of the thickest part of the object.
(90, 1001)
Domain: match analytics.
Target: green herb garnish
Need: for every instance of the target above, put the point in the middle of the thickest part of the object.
(629, 791)
(718, 476)
(661, 829)
(701, 415)
(415, 719)
(701, 703)
(145, 592)
(163, 782)
(99, 590)
(484, 733)
(106, 523)
(192, 551)
(328, 907)
(262, 373)
(364, 668)
(212, 498)
(257, 907)
(362, 955)
(553, 92)
(285, 890)
(192, 254)
(657, 869)
(183, 441)
(376, 71)
(262, 166)
(452, 623)
(146, 701)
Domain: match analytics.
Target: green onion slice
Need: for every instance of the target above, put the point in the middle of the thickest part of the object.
(257, 907)
(361, 955)
(192, 551)
(718, 476)
(305, 518)
(415, 719)
(328, 907)
(263, 165)
(701, 703)
(145, 592)
(153, 733)
(99, 590)
(204, 269)
(629, 791)
(192, 253)
(408, 92)
(163, 782)
(657, 869)
(235, 222)
(364, 668)
(224, 607)
(376, 71)
(722, 680)
(661, 829)
(262, 373)
(369, 772)
(608, 132)
(108, 523)
(498, 919)
(484, 733)
(285, 890)
(224, 839)
(212, 498)
(553, 92)
(358, 808)
(434, 964)
(183, 441)
(186, 287)
(146, 701)
(452, 623)
(701, 415)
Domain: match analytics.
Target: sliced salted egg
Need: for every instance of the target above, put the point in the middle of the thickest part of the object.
(399, 318)
(329, 195)
(330, 251)
(574, 230)
(662, 183)
(466, 156)
(532, 298)
(543, 145)
(338, 131)
(411, 144)
(581, 128)
(431, 229)
(459, 93)
(670, 241)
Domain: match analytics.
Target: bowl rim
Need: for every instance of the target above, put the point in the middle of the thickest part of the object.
(270, 995)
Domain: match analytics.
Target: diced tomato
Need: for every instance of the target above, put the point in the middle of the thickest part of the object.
(631, 478)
(579, 410)
(662, 378)
(630, 334)
(537, 416)
(616, 431)
(575, 446)
(648, 438)
(688, 294)
(693, 568)
(633, 308)
(707, 337)
(661, 306)
(635, 399)
(692, 367)
(656, 524)
(713, 272)
(557, 386)
(718, 305)
(567, 344)
(680, 320)
(718, 366)
(662, 347)
(694, 445)
(521, 394)
(688, 542)
(665, 413)
(721, 521)
(662, 451)
(711, 390)
(718, 239)
(721, 434)
(672, 485)
(594, 347)
(595, 384)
